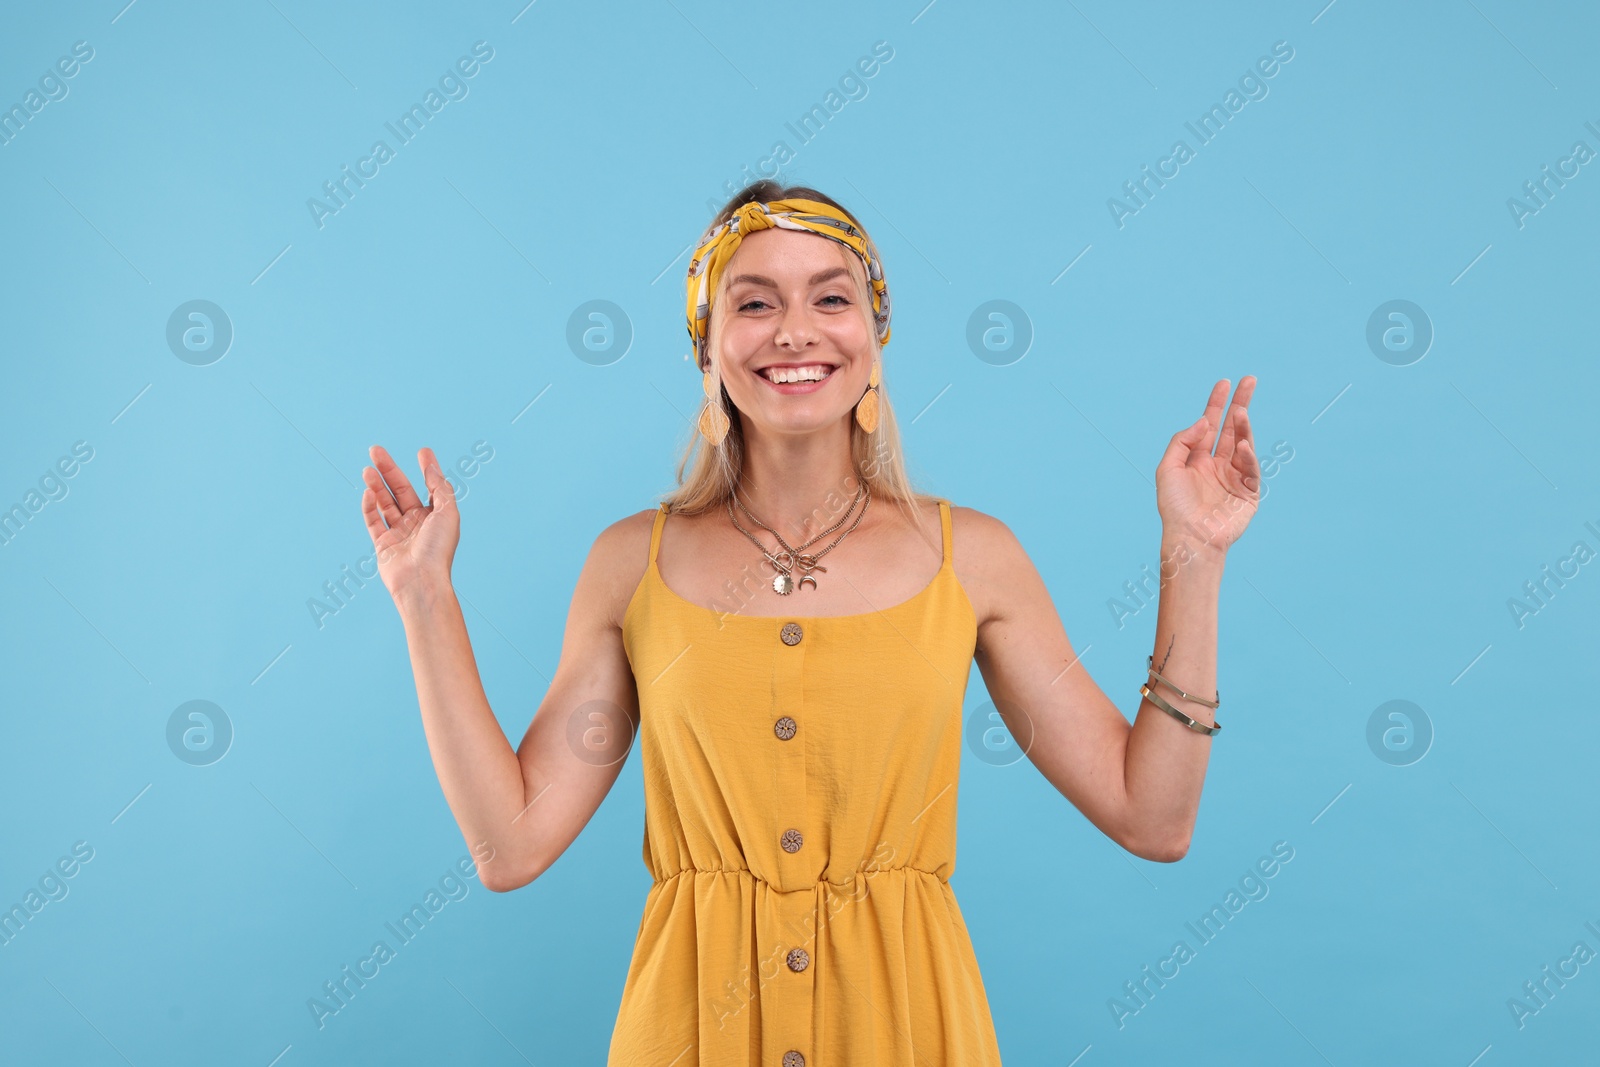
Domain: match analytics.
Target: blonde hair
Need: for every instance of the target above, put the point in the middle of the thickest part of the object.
(877, 458)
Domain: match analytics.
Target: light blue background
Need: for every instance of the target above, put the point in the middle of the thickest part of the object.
(432, 310)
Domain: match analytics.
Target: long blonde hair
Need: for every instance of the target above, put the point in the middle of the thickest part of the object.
(878, 458)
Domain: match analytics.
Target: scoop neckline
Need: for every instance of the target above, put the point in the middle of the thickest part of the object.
(654, 571)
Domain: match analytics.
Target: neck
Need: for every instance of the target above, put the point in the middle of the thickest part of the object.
(798, 484)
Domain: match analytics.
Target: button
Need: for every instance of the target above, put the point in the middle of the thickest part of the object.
(793, 1059)
(791, 633)
(792, 841)
(784, 728)
(799, 959)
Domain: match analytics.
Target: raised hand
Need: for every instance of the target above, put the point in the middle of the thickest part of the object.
(1205, 499)
(415, 542)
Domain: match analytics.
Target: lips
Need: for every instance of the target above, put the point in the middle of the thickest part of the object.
(788, 368)
(800, 373)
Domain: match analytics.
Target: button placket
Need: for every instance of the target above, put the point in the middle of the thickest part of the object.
(791, 635)
(788, 1000)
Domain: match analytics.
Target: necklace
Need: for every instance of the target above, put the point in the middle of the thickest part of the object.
(789, 558)
(781, 541)
(796, 556)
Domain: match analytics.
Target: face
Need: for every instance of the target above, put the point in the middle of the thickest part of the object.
(794, 301)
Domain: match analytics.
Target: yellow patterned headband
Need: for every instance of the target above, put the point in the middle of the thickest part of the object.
(719, 243)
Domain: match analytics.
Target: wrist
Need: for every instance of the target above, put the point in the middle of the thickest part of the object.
(424, 595)
(1204, 537)
(1188, 553)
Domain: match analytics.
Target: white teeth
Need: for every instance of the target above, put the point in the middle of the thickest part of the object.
(812, 373)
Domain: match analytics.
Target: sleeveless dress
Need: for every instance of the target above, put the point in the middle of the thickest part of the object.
(800, 781)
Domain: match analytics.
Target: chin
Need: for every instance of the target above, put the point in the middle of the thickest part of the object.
(796, 420)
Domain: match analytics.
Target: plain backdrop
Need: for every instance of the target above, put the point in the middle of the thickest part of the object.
(1434, 871)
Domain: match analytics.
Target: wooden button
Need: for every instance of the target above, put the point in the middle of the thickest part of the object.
(791, 633)
(784, 728)
(799, 959)
(792, 841)
(793, 1059)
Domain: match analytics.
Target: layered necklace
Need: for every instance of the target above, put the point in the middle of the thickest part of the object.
(788, 560)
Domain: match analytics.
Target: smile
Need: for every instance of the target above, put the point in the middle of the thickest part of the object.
(809, 374)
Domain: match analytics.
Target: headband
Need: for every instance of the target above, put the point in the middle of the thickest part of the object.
(718, 244)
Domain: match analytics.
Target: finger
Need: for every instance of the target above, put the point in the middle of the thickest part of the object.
(1248, 464)
(399, 485)
(1184, 442)
(1247, 437)
(1214, 403)
(1230, 433)
(386, 498)
(382, 498)
(1231, 425)
(369, 511)
(440, 492)
(1245, 433)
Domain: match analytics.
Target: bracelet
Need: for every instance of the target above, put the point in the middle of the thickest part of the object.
(1151, 662)
(1147, 691)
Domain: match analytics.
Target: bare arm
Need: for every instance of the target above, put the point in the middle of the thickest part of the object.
(1139, 783)
(530, 804)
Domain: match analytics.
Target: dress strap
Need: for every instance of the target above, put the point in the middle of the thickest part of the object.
(944, 525)
(655, 530)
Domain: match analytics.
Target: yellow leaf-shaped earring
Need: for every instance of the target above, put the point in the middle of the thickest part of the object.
(867, 407)
(714, 421)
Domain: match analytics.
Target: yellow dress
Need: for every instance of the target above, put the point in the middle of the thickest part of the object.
(800, 781)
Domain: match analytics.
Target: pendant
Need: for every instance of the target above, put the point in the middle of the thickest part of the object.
(782, 584)
(806, 579)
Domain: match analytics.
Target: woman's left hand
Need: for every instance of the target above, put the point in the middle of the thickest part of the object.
(1209, 498)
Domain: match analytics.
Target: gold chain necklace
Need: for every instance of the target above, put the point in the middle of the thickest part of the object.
(789, 558)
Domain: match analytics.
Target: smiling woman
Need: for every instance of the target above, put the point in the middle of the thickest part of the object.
(801, 754)
(799, 769)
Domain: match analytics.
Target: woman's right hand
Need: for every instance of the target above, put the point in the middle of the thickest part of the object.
(415, 542)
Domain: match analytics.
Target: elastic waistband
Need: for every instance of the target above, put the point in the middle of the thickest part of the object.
(746, 872)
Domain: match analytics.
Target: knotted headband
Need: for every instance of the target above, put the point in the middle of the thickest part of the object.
(719, 243)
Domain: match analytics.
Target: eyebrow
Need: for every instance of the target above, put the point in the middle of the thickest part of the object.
(761, 279)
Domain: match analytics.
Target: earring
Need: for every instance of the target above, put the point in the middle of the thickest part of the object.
(714, 421)
(867, 407)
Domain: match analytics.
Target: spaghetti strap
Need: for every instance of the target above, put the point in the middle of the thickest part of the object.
(944, 525)
(655, 530)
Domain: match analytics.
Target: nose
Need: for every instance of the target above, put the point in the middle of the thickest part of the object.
(795, 328)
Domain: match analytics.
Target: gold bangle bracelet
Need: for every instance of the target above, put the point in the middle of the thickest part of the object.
(1150, 661)
(1151, 695)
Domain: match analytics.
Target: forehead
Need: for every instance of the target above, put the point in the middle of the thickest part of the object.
(789, 255)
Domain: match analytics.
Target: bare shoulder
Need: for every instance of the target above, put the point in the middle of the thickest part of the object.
(982, 544)
(617, 562)
(989, 560)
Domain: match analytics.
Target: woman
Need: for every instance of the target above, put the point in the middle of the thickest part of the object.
(795, 661)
